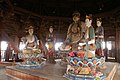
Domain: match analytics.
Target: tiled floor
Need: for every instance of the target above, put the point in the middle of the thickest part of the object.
(117, 74)
(49, 71)
(3, 74)
(60, 70)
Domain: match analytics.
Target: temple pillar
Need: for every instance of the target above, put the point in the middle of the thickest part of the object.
(117, 44)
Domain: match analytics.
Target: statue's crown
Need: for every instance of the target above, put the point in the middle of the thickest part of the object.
(89, 16)
(99, 19)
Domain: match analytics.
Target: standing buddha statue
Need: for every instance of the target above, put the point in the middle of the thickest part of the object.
(99, 37)
(51, 46)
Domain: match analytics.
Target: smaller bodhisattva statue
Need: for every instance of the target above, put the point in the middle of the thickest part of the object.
(90, 40)
(99, 37)
(51, 45)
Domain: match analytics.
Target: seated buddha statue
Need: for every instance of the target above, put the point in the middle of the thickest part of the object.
(73, 33)
(31, 40)
(31, 52)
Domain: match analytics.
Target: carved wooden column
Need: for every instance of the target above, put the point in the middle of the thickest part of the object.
(118, 44)
(0, 49)
(0, 37)
(7, 53)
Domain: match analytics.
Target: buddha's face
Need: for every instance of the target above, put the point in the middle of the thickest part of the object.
(30, 31)
(99, 23)
(88, 22)
(51, 29)
(76, 18)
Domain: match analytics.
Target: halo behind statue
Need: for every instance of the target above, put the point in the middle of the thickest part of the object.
(30, 27)
(76, 13)
(99, 19)
(89, 16)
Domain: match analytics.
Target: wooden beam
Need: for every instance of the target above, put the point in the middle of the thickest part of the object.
(10, 5)
(24, 11)
(107, 14)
